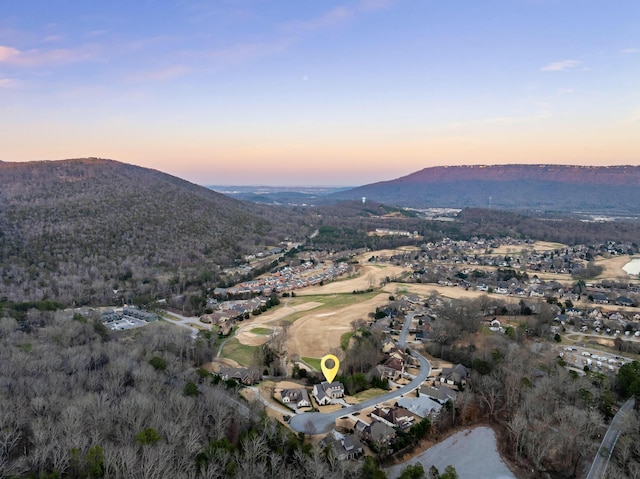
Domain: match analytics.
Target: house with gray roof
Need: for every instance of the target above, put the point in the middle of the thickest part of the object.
(326, 392)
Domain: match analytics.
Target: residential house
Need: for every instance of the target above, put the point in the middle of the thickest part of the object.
(325, 392)
(344, 447)
(421, 406)
(624, 301)
(376, 431)
(394, 417)
(297, 397)
(441, 394)
(246, 376)
(456, 375)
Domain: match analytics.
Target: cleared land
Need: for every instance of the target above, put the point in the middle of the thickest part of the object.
(613, 268)
(538, 246)
(371, 276)
(315, 334)
(425, 289)
(252, 332)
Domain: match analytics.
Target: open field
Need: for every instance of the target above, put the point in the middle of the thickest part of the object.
(370, 277)
(613, 268)
(261, 331)
(316, 333)
(538, 246)
(240, 353)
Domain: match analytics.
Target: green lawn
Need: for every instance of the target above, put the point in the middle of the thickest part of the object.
(344, 340)
(339, 299)
(313, 362)
(238, 352)
(262, 331)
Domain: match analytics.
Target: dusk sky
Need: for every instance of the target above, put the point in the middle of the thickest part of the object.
(299, 92)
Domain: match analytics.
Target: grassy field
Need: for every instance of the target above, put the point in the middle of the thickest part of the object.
(238, 352)
(261, 331)
(329, 302)
(313, 362)
(337, 300)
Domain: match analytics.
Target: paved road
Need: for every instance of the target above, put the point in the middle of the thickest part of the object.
(193, 324)
(601, 461)
(316, 422)
(402, 340)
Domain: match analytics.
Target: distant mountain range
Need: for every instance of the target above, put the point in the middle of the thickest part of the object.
(281, 195)
(587, 189)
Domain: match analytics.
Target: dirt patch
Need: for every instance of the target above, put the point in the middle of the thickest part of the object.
(288, 385)
(314, 335)
(370, 276)
(217, 363)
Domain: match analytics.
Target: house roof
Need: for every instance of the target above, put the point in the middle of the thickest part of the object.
(441, 394)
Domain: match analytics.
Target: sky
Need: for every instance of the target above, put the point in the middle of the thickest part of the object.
(300, 92)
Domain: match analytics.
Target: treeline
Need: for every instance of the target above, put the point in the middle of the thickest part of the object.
(76, 404)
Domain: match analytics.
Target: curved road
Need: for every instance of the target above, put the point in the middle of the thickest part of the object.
(601, 461)
(317, 422)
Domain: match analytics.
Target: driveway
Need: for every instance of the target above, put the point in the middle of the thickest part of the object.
(316, 422)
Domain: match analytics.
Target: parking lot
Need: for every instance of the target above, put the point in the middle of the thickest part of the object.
(125, 323)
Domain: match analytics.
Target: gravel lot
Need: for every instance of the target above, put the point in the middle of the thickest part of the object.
(472, 452)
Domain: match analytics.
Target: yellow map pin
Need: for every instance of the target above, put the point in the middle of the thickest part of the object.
(330, 373)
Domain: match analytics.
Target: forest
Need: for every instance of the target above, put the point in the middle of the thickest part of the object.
(77, 403)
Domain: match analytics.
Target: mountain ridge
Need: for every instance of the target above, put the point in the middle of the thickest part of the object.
(540, 187)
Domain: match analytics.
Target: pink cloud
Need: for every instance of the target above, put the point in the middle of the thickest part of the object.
(8, 54)
(159, 75)
(7, 83)
(35, 57)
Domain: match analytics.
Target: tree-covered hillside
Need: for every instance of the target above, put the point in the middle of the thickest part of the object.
(76, 230)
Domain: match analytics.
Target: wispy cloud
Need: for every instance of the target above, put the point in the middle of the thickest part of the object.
(28, 58)
(336, 16)
(241, 52)
(7, 83)
(8, 54)
(162, 74)
(630, 50)
(53, 38)
(561, 66)
(329, 19)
